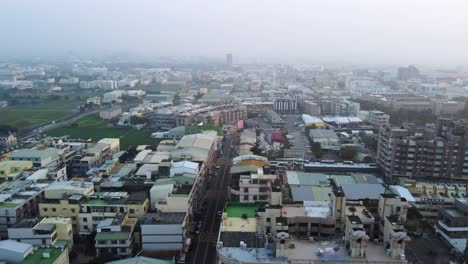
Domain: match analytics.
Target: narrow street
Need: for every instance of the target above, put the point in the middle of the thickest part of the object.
(204, 247)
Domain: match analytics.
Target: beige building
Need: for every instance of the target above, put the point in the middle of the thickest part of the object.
(110, 113)
(8, 140)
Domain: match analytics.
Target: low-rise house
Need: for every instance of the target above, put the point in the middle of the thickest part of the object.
(452, 224)
(46, 231)
(163, 232)
(107, 205)
(10, 170)
(48, 157)
(14, 252)
(67, 206)
(110, 113)
(116, 236)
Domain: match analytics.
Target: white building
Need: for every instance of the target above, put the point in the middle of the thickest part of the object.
(113, 97)
(182, 167)
(163, 231)
(378, 118)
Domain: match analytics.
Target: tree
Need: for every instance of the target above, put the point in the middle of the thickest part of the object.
(352, 209)
(198, 95)
(369, 141)
(368, 159)
(348, 153)
(317, 149)
(176, 100)
(134, 120)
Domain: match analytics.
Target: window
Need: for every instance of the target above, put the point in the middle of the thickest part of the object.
(44, 209)
(268, 220)
(85, 219)
(132, 211)
(246, 197)
(73, 210)
(246, 189)
(54, 209)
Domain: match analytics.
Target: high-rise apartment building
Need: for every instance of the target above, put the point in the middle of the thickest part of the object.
(439, 151)
(229, 60)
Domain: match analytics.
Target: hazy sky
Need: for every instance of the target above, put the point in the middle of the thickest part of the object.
(386, 31)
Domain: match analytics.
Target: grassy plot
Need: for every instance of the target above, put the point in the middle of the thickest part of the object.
(21, 116)
(95, 128)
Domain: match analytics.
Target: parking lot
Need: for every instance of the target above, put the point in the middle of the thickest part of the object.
(299, 141)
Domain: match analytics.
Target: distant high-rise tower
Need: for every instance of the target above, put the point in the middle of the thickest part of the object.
(229, 60)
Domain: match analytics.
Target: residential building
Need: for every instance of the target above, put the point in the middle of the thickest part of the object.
(406, 73)
(452, 224)
(18, 203)
(258, 107)
(285, 103)
(107, 205)
(8, 140)
(110, 113)
(116, 236)
(438, 152)
(94, 100)
(378, 118)
(66, 206)
(113, 97)
(10, 170)
(14, 252)
(311, 107)
(229, 60)
(40, 232)
(428, 197)
(58, 190)
(256, 187)
(48, 157)
(163, 232)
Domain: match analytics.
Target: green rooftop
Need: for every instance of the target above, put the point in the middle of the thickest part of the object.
(238, 209)
(112, 236)
(37, 256)
(180, 194)
(96, 202)
(8, 205)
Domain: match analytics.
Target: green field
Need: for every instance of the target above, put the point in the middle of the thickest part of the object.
(95, 128)
(21, 116)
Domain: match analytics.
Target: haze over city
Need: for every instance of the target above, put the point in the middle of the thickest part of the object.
(233, 132)
(362, 31)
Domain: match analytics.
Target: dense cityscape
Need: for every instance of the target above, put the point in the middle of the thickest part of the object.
(116, 156)
(235, 163)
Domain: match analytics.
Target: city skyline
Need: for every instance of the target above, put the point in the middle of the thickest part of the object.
(387, 32)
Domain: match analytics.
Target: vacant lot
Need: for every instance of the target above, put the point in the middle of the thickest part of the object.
(95, 128)
(21, 116)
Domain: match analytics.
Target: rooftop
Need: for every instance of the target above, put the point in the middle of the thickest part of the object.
(239, 209)
(163, 218)
(362, 191)
(38, 256)
(112, 235)
(96, 201)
